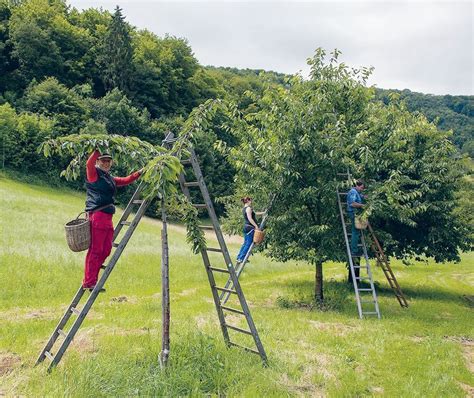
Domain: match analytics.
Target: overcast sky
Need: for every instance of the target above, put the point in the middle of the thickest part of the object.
(425, 46)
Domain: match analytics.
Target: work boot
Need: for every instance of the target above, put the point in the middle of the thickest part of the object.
(102, 290)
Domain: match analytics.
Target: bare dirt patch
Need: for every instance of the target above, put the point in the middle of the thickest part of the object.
(124, 299)
(417, 339)
(339, 329)
(301, 387)
(469, 390)
(8, 362)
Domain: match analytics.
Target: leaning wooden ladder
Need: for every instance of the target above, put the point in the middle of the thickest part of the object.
(223, 311)
(383, 262)
(366, 297)
(64, 337)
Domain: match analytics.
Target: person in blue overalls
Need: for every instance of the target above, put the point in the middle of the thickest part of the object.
(355, 202)
(250, 225)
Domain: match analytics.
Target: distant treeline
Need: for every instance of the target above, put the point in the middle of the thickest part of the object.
(449, 112)
(65, 71)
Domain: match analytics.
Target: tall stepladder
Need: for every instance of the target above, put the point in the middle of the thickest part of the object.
(225, 313)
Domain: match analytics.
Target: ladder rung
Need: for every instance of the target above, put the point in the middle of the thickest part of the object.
(126, 223)
(342, 174)
(238, 329)
(62, 333)
(191, 184)
(170, 140)
(362, 278)
(367, 301)
(213, 249)
(360, 266)
(232, 310)
(103, 266)
(75, 310)
(223, 289)
(364, 290)
(200, 205)
(343, 193)
(137, 202)
(209, 227)
(48, 355)
(370, 313)
(244, 348)
(223, 270)
(115, 244)
(185, 161)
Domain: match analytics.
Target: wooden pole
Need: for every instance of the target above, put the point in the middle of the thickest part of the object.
(165, 289)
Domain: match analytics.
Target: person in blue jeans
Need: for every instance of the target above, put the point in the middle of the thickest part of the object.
(355, 202)
(250, 225)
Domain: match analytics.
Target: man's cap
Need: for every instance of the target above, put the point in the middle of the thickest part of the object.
(105, 156)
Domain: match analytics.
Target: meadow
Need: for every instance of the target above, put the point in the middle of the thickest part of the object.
(426, 350)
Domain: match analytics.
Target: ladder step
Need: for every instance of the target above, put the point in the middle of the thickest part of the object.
(48, 355)
(191, 184)
(370, 313)
(244, 348)
(213, 249)
(185, 161)
(367, 301)
(223, 270)
(126, 223)
(103, 266)
(75, 311)
(360, 266)
(343, 193)
(362, 278)
(62, 333)
(115, 244)
(364, 290)
(209, 227)
(232, 310)
(200, 205)
(238, 329)
(223, 289)
(137, 202)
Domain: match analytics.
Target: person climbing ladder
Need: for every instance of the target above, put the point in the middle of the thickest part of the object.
(101, 188)
(250, 225)
(354, 204)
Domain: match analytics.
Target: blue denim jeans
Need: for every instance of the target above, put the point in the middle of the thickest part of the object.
(248, 239)
(355, 235)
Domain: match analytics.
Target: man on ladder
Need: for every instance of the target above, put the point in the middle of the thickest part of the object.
(354, 204)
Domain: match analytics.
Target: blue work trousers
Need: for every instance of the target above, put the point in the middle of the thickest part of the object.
(248, 239)
(355, 235)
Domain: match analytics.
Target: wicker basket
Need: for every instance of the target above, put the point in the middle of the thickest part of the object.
(360, 223)
(78, 234)
(258, 236)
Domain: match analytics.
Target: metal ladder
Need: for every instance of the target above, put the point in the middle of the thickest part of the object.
(366, 297)
(383, 262)
(65, 337)
(222, 310)
(224, 296)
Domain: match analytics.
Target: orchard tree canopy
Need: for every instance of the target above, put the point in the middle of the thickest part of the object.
(299, 139)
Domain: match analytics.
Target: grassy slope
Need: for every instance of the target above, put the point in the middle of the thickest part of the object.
(422, 351)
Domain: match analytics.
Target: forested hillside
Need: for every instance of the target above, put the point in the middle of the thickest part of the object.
(64, 71)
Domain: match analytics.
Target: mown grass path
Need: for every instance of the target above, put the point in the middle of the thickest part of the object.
(426, 350)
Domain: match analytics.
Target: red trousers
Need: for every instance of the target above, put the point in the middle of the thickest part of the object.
(102, 232)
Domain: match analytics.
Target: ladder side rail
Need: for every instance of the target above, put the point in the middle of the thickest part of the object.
(60, 325)
(349, 255)
(385, 265)
(127, 211)
(246, 310)
(215, 296)
(369, 272)
(115, 257)
(210, 206)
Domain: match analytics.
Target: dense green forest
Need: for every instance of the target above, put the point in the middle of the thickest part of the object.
(64, 71)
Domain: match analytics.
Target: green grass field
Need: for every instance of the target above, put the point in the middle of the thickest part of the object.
(423, 351)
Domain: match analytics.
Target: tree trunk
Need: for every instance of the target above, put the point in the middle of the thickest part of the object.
(318, 286)
(165, 290)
